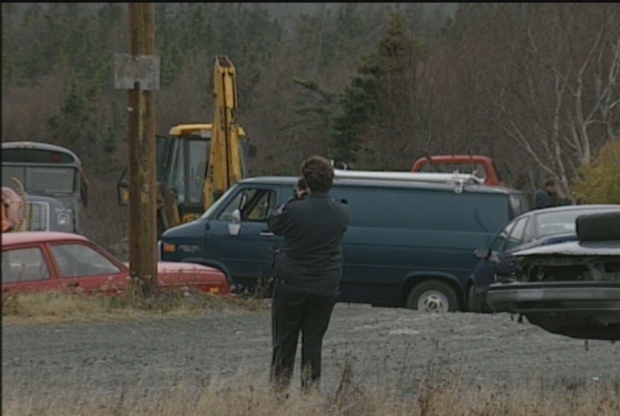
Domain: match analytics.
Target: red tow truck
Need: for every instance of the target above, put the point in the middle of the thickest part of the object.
(481, 166)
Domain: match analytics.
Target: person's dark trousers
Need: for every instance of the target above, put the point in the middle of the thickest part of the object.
(293, 313)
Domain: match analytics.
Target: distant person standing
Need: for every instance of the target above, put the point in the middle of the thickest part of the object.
(308, 272)
(546, 197)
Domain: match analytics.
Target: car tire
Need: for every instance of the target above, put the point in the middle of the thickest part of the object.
(598, 227)
(473, 305)
(432, 296)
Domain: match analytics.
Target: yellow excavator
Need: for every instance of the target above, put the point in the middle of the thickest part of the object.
(197, 163)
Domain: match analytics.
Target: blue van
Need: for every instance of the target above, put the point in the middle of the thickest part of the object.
(409, 242)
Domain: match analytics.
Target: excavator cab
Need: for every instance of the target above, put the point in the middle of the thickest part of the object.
(182, 166)
(182, 161)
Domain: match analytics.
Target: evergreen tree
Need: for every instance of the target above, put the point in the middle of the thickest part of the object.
(381, 110)
(78, 128)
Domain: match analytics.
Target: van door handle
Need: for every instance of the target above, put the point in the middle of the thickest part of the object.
(72, 284)
(266, 234)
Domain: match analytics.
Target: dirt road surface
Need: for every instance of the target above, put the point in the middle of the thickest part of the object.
(380, 344)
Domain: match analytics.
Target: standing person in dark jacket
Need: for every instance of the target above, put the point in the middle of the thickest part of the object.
(308, 273)
(546, 197)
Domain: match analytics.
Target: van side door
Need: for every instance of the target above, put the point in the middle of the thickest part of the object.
(238, 235)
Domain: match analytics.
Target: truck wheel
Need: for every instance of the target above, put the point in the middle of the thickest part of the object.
(473, 305)
(598, 227)
(432, 296)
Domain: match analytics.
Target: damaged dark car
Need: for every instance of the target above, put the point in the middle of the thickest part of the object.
(570, 288)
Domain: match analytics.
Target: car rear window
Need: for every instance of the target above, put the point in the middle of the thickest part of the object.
(24, 265)
(74, 260)
(551, 223)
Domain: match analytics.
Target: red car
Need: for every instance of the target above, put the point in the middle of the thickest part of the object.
(39, 261)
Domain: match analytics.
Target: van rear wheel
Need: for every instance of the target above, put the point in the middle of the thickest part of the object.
(433, 296)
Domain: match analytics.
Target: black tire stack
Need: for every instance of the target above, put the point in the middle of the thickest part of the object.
(598, 227)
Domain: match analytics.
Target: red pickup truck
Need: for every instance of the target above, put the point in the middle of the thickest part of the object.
(481, 166)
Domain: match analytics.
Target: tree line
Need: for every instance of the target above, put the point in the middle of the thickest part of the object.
(534, 86)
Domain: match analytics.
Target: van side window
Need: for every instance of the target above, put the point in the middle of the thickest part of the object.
(235, 203)
(259, 207)
(254, 204)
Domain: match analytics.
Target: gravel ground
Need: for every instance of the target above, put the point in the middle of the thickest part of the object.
(380, 344)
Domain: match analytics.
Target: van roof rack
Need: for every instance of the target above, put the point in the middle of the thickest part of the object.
(457, 179)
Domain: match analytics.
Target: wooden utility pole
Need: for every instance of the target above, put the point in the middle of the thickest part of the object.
(138, 72)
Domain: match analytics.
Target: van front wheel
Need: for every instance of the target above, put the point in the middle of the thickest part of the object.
(432, 296)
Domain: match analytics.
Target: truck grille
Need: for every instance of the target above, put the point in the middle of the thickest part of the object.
(38, 216)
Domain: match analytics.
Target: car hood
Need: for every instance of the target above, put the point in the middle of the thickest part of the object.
(574, 248)
(177, 274)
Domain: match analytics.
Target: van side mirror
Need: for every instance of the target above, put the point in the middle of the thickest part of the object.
(236, 216)
(482, 253)
(234, 226)
(488, 255)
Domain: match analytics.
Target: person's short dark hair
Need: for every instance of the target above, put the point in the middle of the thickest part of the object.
(550, 182)
(318, 173)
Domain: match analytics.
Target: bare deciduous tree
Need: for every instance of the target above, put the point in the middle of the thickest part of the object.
(558, 97)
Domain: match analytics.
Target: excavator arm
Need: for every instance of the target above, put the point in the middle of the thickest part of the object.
(187, 183)
(224, 168)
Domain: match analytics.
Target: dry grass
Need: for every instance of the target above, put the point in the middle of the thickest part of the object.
(248, 395)
(55, 308)
(439, 390)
